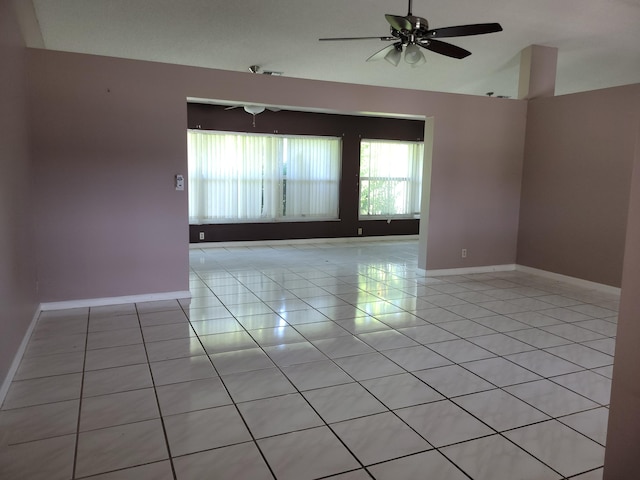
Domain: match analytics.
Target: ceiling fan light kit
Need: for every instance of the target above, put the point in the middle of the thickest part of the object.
(393, 56)
(411, 33)
(413, 55)
(254, 109)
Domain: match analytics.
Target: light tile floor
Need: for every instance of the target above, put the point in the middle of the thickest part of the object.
(314, 361)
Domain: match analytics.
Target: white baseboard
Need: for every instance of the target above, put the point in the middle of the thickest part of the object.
(600, 287)
(99, 302)
(301, 241)
(17, 358)
(467, 270)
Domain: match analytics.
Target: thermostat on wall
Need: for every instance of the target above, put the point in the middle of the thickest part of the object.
(179, 182)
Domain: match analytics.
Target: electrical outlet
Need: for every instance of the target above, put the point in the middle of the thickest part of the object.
(359, 231)
(464, 253)
(201, 235)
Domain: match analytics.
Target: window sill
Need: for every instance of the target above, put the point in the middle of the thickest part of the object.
(388, 219)
(262, 220)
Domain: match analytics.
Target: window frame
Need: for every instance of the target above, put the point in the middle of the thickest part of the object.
(408, 179)
(280, 183)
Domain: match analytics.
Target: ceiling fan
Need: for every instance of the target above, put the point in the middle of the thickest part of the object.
(257, 109)
(412, 33)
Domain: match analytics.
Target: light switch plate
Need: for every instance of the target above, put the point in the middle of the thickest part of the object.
(179, 182)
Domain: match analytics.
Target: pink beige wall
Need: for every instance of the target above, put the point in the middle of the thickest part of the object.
(108, 138)
(18, 297)
(109, 135)
(576, 181)
(623, 437)
(475, 186)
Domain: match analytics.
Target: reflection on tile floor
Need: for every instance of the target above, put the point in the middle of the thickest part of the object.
(319, 361)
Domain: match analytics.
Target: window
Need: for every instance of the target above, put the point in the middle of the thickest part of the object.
(390, 178)
(238, 177)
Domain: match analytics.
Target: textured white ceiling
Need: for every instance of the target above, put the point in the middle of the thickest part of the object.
(598, 41)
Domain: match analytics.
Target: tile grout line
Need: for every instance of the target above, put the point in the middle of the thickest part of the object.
(297, 390)
(84, 361)
(155, 393)
(305, 337)
(328, 425)
(253, 438)
(499, 356)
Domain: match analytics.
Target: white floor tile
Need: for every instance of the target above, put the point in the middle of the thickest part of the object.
(552, 399)
(307, 376)
(500, 372)
(431, 464)
(543, 363)
(49, 365)
(118, 409)
(343, 402)
(588, 384)
(443, 423)
(459, 351)
(581, 355)
(187, 346)
(381, 437)
(277, 415)
(205, 429)
(182, 370)
(39, 422)
(563, 449)
(54, 459)
(129, 445)
(194, 395)
(247, 386)
(371, 365)
(416, 358)
(453, 380)
(115, 357)
(500, 344)
(427, 334)
(241, 361)
(342, 346)
(398, 391)
(500, 410)
(294, 353)
(494, 458)
(233, 462)
(26, 393)
(307, 454)
(592, 423)
(151, 471)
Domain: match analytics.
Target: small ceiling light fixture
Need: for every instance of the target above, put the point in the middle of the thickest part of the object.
(254, 109)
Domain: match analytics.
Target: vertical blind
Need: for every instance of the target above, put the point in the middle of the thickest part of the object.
(237, 177)
(390, 178)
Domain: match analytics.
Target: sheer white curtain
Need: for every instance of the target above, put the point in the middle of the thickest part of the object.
(390, 178)
(237, 177)
(232, 177)
(312, 177)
